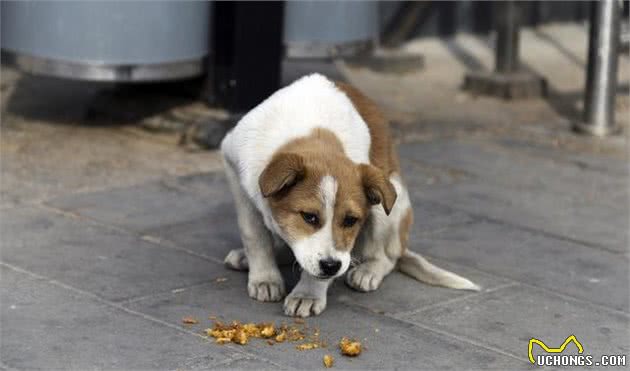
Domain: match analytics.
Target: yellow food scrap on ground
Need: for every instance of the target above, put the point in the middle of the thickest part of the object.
(351, 348)
(328, 361)
(281, 337)
(220, 279)
(190, 320)
(294, 334)
(268, 331)
(307, 346)
(241, 333)
(240, 337)
(251, 329)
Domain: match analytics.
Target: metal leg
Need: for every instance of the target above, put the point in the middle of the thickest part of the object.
(244, 67)
(508, 80)
(601, 78)
(247, 53)
(506, 51)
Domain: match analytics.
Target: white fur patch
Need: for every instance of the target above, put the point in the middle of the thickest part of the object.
(327, 193)
(321, 245)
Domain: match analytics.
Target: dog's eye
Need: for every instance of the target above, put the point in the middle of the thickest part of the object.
(310, 218)
(349, 221)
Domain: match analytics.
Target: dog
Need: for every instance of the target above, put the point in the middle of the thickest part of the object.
(314, 168)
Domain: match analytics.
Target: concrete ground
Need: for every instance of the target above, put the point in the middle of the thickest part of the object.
(112, 233)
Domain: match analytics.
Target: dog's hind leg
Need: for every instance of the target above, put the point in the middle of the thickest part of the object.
(237, 259)
(379, 245)
(265, 282)
(373, 267)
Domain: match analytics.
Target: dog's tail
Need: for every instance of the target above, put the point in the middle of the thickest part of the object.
(418, 267)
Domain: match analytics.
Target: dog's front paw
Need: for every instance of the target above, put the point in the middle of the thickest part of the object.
(299, 305)
(361, 278)
(266, 290)
(237, 260)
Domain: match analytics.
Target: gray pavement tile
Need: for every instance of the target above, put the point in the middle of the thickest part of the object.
(598, 163)
(594, 275)
(48, 327)
(140, 207)
(429, 217)
(509, 167)
(400, 293)
(507, 318)
(562, 216)
(389, 343)
(212, 184)
(213, 233)
(248, 364)
(106, 262)
(558, 197)
(423, 174)
(236, 362)
(194, 212)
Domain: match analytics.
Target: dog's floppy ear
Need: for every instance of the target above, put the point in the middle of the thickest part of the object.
(284, 170)
(378, 189)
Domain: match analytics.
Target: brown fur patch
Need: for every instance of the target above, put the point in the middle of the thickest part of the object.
(378, 188)
(382, 150)
(284, 170)
(403, 229)
(321, 154)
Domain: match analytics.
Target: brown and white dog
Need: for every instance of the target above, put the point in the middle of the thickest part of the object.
(313, 167)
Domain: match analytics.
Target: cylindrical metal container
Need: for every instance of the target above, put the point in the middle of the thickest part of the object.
(107, 40)
(328, 29)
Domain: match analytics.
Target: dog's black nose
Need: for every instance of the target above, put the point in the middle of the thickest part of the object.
(329, 266)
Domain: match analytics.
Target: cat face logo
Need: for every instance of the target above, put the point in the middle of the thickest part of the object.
(560, 349)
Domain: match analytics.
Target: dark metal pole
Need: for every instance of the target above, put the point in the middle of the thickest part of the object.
(507, 45)
(507, 80)
(601, 79)
(244, 67)
(247, 53)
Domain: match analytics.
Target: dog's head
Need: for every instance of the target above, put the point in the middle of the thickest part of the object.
(319, 202)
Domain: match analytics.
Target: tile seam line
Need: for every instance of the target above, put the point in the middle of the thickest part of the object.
(150, 239)
(455, 299)
(113, 304)
(6, 367)
(155, 242)
(156, 295)
(556, 158)
(441, 333)
(537, 232)
(463, 339)
(547, 290)
(479, 217)
(181, 330)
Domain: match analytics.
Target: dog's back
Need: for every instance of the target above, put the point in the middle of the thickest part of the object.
(293, 112)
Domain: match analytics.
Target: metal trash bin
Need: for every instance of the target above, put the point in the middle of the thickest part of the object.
(330, 29)
(122, 41)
